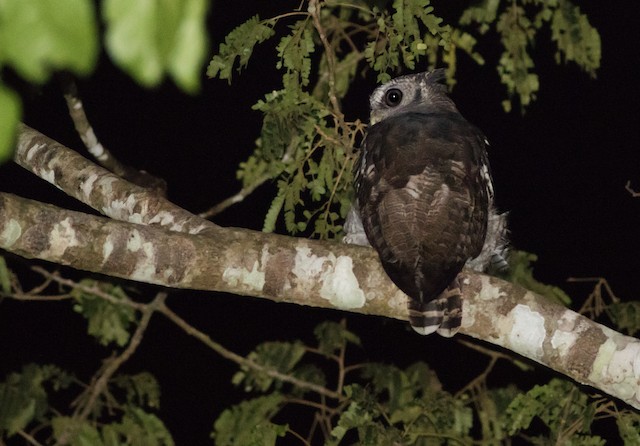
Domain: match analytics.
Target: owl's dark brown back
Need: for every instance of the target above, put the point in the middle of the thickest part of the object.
(424, 192)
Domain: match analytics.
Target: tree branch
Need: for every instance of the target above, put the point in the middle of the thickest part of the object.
(321, 274)
(98, 188)
(95, 147)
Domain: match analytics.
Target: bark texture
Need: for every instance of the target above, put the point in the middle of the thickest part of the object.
(160, 243)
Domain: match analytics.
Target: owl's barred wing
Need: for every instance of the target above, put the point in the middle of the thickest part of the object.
(425, 194)
(418, 204)
(424, 201)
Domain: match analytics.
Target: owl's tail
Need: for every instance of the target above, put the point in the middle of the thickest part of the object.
(442, 315)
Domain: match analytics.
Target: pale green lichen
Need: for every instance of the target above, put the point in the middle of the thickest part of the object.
(527, 333)
(564, 338)
(340, 285)
(488, 291)
(11, 233)
(62, 237)
(617, 368)
(253, 279)
(87, 185)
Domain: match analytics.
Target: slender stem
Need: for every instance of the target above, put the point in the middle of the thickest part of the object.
(29, 438)
(235, 198)
(314, 9)
(112, 365)
(240, 360)
(89, 289)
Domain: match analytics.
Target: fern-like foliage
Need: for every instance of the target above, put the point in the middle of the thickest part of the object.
(307, 146)
(25, 407)
(108, 321)
(381, 404)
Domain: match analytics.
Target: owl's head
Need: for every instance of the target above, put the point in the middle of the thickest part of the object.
(410, 93)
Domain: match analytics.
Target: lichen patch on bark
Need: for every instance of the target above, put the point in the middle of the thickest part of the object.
(10, 233)
(88, 184)
(565, 335)
(527, 333)
(253, 278)
(340, 285)
(61, 238)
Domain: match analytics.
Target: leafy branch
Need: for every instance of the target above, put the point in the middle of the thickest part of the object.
(307, 145)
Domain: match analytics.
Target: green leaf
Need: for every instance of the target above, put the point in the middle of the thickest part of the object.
(483, 13)
(38, 37)
(149, 39)
(295, 50)
(626, 316)
(354, 417)
(272, 214)
(141, 389)
(557, 404)
(515, 65)
(241, 424)
(11, 107)
(577, 40)
(239, 45)
(332, 337)
(5, 276)
(190, 46)
(280, 356)
(629, 427)
(23, 397)
(137, 427)
(108, 322)
(76, 432)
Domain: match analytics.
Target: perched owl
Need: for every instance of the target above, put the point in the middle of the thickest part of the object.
(425, 197)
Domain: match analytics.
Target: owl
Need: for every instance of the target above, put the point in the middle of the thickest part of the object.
(424, 198)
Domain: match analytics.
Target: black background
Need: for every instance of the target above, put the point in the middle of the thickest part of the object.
(559, 170)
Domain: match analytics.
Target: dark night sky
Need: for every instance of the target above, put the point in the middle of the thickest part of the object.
(560, 171)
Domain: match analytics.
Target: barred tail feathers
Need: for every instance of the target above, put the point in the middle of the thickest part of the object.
(442, 315)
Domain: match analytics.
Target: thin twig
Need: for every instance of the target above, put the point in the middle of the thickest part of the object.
(633, 192)
(29, 438)
(113, 364)
(240, 360)
(235, 198)
(314, 9)
(29, 298)
(595, 303)
(89, 289)
(103, 156)
(481, 378)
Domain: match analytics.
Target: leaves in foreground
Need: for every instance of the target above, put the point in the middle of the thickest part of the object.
(386, 404)
(26, 410)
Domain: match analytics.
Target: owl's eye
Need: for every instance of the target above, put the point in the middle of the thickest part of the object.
(393, 97)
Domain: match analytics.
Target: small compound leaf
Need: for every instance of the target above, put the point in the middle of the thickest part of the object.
(239, 45)
(108, 322)
(236, 426)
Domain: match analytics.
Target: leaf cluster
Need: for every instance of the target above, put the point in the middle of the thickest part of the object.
(306, 144)
(147, 40)
(109, 320)
(519, 24)
(26, 410)
(383, 404)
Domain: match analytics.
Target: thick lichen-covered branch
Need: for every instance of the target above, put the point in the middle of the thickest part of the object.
(97, 187)
(320, 274)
